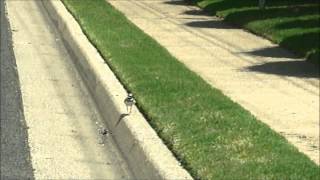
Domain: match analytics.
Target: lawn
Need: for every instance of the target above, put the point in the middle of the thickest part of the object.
(294, 24)
(213, 137)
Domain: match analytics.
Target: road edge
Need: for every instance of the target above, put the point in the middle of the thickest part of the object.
(144, 151)
(15, 160)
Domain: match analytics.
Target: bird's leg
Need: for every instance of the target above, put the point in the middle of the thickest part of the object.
(130, 109)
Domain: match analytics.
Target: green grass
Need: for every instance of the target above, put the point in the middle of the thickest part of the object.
(294, 24)
(213, 137)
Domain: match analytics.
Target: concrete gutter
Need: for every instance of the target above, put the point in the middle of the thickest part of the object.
(144, 151)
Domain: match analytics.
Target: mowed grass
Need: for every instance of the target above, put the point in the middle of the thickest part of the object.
(294, 24)
(213, 137)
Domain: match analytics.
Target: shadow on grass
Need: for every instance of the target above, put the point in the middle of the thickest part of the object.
(288, 68)
(222, 5)
(214, 7)
(246, 16)
(293, 24)
(307, 24)
(302, 43)
(210, 24)
(274, 52)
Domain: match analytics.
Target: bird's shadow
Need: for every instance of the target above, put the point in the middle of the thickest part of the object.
(120, 118)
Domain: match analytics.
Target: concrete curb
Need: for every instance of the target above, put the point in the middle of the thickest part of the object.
(144, 151)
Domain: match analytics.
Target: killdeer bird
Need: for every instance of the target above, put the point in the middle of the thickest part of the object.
(129, 101)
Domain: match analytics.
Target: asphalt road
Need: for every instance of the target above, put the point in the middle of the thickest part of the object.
(15, 154)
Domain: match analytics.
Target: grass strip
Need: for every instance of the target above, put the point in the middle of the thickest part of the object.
(293, 24)
(213, 137)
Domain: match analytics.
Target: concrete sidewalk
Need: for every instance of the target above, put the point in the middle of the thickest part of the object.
(278, 88)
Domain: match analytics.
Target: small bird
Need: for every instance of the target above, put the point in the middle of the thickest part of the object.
(129, 101)
(103, 131)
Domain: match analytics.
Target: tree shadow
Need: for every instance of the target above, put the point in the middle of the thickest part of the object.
(243, 12)
(288, 68)
(195, 12)
(180, 2)
(214, 7)
(274, 52)
(210, 24)
(299, 23)
(302, 43)
(249, 15)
